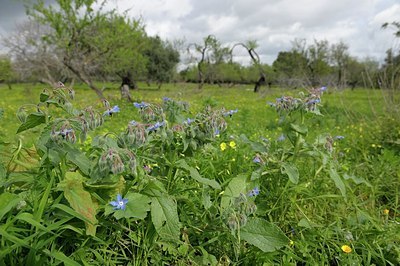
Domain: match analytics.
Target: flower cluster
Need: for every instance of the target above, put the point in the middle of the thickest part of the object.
(66, 132)
(242, 208)
(111, 161)
(223, 146)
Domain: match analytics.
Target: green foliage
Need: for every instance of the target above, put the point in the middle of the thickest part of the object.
(202, 190)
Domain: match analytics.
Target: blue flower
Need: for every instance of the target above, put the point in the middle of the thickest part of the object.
(120, 203)
(257, 159)
(166, 99)
(216, 132)
(189, 121)
(313, 101)
(281, 137)
(133, 123)
(140, 105)
(254, 192)
(231, 112)
(115, 109)
(339, 137)
(156, 126)
(323, 88)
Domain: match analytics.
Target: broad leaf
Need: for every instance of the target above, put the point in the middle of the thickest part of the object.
(196, 176)
(164, 216)
(302, 129)
(32, 121)
(137, 207)
(264, 235)
(80, 200)
(338, 181)
(78, 158)
(236, 186)
(291, 171)
(7, 202)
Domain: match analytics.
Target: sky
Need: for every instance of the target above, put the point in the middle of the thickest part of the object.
(274, 24)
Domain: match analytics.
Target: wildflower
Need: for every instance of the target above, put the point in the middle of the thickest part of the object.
(271, 104)
(216, 132)
(257, 159)
(120, 203)
(254, 192)
(156, 126)
(339, 137)
(232, 144)
(115, 109)
(386, 212)
(133, 123)
(147, 168)
(189, 121)
(166, 99)
(223, 146)
(281, 137)
(231, 112)
(140, 105)
(291, 243)
(346, 249)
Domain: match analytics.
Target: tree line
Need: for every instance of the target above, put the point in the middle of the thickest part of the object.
(72, 40)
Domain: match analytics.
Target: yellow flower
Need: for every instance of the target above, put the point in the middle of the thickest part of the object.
(346, 249)
(386, 212)
(232, 144)
(223, 146)
(291, 242)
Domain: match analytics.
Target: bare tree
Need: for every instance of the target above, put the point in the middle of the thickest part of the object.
(251, 47)
(33, 56)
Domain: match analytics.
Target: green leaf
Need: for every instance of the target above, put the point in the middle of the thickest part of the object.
(61, 257)
(264, 235)
(338, 181)
(236, 186)
(137, 207)
(164, 216)
(80, 200)
(32, 121)
(291, 171)
(44, 96)
(196, 176)
(301, 129)
(28, 218)
(78, 158)
(7, 202)
(357, 180)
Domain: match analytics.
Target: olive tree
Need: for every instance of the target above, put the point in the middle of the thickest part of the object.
(92, 42)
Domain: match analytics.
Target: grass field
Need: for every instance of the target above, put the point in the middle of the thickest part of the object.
(295, 189)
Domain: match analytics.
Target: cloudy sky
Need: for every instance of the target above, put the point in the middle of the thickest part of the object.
(273, 23)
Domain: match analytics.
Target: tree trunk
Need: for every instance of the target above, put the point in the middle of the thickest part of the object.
(261, 81)
(126, 84)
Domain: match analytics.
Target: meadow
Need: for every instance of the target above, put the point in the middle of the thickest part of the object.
(217, 176)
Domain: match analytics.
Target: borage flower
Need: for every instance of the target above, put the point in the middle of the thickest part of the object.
(110, 111)
(156, 126)
(140, 105)
(254, 192)
(231, 112)
(120, 203)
